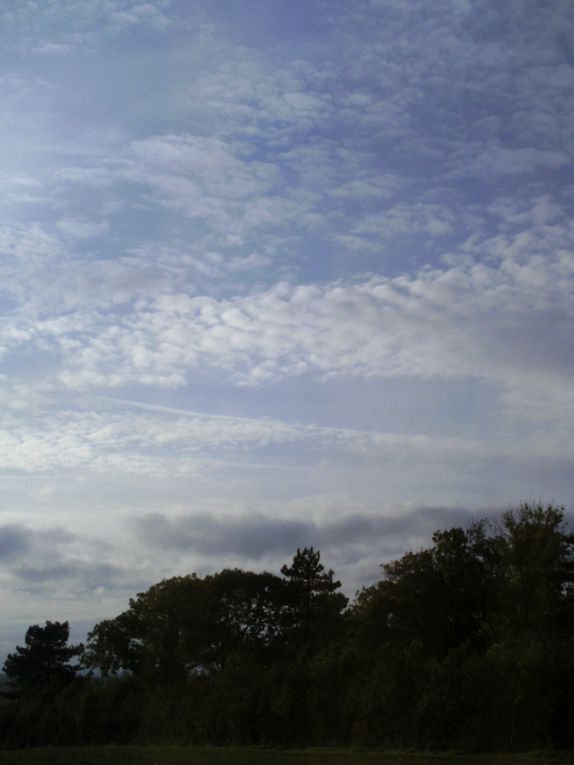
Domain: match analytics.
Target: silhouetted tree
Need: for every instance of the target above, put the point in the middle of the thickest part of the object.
(313, 612)
(312, 619)
(535, 555)
(44, 660)
(532, 623)
(438, 596)
(188, 624)
(476, 633)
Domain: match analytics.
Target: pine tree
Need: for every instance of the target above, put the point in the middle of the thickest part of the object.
(314, 605)
(44, 661)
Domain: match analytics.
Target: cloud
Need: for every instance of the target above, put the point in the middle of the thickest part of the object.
(83, 574)
(497, 309)
(249, 538)
(153, 452)
(95, 177)
(354, 545)
(503, 321)
(40, 559)
(157, 440)
(491, 160)
(14, 542)
(372, 187)
(30, 243)
(52, 49)
(64, 26)
(253, 537)
(146, 14)
(203, 178)
(432, 220)
(78, 229)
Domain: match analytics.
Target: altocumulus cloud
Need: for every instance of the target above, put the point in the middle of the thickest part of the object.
(505, 322)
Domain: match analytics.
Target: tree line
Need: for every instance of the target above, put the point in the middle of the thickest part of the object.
(467, 644)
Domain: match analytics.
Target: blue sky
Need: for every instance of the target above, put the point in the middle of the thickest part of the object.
(274, 274)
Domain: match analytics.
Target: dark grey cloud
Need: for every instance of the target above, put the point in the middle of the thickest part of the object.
(18, 541)
(249, 536)
(14, 541)
(84, 573)
(354, 545)
(45, 559)
(255, 536)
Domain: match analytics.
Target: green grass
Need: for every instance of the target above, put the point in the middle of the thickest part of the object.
(182, 755)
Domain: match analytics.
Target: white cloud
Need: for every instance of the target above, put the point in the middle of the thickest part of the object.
(96, 177)
(401, 219)
(52, 49)
(158, 440)
(504, 322)
(369, 188)
(491, 160)
(30, 244)
(82, 228)
(74, 25)
(195, 173)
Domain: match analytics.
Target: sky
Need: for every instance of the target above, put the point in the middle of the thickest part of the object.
(273, 274)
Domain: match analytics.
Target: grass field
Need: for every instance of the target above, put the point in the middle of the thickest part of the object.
(181, 755)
